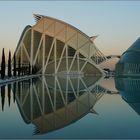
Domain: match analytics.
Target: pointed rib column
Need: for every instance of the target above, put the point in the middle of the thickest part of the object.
(31, 59)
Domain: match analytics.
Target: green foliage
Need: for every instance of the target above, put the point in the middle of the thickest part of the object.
(9, 65)
(14, 65)
(3, 65)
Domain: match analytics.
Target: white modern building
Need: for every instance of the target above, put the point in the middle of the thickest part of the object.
(52, 46)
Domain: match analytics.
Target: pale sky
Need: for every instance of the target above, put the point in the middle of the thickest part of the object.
(116, 22)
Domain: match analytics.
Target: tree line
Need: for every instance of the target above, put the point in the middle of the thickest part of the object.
(14, 69)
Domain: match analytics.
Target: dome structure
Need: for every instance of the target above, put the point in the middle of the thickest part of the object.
(129, 63)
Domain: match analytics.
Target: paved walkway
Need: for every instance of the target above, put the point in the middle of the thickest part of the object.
(21, 78)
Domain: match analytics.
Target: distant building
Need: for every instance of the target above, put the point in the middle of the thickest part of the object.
(52, 46)
(129, 63)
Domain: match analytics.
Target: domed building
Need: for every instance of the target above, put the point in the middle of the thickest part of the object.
(129, 63)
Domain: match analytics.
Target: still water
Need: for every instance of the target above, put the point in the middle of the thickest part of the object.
(69, 107)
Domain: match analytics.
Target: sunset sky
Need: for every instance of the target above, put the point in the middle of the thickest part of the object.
(116, 22)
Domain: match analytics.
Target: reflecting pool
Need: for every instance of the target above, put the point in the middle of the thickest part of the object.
(70, 107)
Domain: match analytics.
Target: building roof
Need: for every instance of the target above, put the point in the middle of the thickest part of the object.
(38, 17)
(132, 54)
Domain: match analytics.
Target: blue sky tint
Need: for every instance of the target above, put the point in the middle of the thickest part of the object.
(116, 22)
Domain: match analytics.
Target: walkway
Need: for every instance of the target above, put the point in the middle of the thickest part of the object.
(21, 78)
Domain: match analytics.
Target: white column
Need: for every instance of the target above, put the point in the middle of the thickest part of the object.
(43, 95)
(67, 66)
(43, 53)
(55, 57)
(21, 51)
(31, 99)
(31, 52)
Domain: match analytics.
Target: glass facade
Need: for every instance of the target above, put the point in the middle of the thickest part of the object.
(129, 63)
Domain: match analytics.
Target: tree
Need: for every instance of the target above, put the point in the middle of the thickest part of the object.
(3, 65)
(9, 65)
(14, 70)
(19, 68)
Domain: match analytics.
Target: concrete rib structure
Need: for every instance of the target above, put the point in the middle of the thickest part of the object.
(52, 46)
(51, 103)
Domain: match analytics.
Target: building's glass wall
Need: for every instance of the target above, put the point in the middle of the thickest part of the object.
(129, 63)
(27, 42)
(36, 41)
(127, 68)
(71, 51)
(48, 43)
(59, 49)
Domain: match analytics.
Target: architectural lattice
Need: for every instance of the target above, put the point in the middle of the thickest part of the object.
(52, 46)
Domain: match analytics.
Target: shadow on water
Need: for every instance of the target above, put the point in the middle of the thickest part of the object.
(129, 88)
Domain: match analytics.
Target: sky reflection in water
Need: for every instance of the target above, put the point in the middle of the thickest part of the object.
(54, 107)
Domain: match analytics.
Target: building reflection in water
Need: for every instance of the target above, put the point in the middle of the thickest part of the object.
(129, 89)
(51, 102)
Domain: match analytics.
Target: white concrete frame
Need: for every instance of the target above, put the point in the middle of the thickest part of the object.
(66, 33)
(96, 91)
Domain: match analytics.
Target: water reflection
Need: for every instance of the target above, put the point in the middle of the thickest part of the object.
(51, 103)
(129, 89)
(2, 96)
(5, 89)
(14, 90)
(9, 94)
